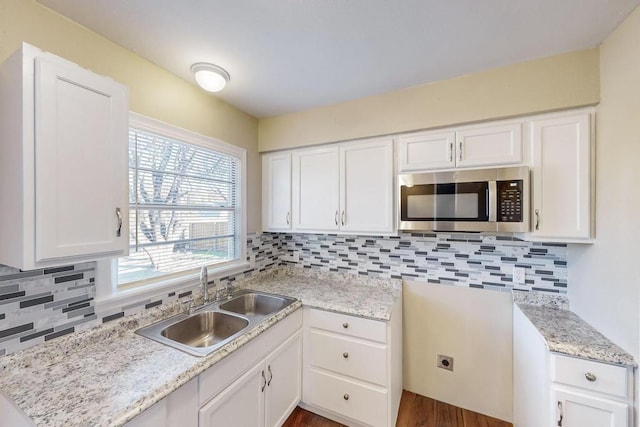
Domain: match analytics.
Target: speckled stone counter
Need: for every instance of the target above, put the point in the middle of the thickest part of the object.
(107, 375)
(344, 293)
(566, 333)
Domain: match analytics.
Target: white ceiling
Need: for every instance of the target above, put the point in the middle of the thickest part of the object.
(290, 55)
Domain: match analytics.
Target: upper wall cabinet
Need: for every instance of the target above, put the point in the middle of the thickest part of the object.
(63, 162)
(339, 188)
(345, 187)
(561, 177)
(276, 191)
(496, 144)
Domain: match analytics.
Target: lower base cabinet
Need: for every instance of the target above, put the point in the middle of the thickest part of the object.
(263, 396)
(353, 367)
(560, 391)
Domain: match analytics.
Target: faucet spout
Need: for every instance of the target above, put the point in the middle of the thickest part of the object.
(204, 282)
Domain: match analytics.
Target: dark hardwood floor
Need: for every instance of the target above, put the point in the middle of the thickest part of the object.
(415, 410)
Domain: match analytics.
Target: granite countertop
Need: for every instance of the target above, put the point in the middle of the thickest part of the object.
(107, 375)
(566, 333)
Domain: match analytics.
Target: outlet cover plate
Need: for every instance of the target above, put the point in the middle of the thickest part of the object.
(519, 275)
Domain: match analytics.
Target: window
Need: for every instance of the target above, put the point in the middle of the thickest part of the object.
(185, 204)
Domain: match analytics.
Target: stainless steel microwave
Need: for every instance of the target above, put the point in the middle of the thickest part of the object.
(465, 200)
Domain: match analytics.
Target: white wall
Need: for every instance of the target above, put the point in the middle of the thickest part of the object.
(604, 278)
(474, 326)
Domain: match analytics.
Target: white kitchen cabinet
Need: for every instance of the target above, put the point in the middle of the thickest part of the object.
(557, 390)
(63, 162)
(258, 385)
(345, 187)
(316, 189)
(276, 191)
(241, 404)
(576, 409)
(491, 144)
(426, 150)
(561, 178)
(353, 367)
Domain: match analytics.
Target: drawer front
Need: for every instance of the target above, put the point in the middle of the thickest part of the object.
(605, 378)
(348, 325)
(344, 355)
(367, 405)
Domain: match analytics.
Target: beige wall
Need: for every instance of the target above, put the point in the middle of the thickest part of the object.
(554, 83)
(604, 278)
(154, 92)
(474, 327)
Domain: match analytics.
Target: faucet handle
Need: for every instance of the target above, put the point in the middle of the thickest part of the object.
(188, 304)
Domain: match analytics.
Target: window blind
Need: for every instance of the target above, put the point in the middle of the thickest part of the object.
(183, 207)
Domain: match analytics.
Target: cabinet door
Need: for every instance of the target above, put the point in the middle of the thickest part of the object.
(366, 176)
(240, 404)
(284, 381)
(489, 146)
(316, 189)
(156, 416)
(276, 191)
(561, 178)
(426, 150)
(582, 410)
(81, 151)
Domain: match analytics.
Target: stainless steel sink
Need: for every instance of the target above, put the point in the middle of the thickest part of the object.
(252, 304)
(216, 324)
(205, 329)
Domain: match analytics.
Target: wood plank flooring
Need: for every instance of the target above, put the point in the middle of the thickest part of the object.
(415, 411)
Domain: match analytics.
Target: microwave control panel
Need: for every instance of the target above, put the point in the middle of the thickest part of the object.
(510, 201)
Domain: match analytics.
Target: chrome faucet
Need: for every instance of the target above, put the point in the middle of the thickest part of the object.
(204, 283)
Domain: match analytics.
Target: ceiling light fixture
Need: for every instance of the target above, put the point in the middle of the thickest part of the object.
(210, 77)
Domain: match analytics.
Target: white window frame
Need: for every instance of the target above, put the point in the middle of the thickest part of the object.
(107, 293)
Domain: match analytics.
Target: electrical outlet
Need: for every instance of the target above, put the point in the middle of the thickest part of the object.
(519, 275)
(445, 362)
(295, 256)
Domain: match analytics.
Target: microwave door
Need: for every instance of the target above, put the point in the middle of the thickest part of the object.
(467, 201)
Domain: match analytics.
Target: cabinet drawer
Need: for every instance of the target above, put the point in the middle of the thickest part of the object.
(606, 378)
(361, 360)
(348, 398)
(373, 330)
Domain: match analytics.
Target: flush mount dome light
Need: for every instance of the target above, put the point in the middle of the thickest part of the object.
(210, 77)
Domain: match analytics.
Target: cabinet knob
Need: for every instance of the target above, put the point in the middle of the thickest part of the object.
(288, 215)
(346, 396)
(537, 219)
(345, 325)
(345, 355)
(119, 216)
(335, 218)
(590, 377)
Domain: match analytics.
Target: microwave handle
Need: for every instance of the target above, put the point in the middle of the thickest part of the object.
(492, 201)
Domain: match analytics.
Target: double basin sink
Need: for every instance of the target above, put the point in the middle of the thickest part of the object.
(213, 325)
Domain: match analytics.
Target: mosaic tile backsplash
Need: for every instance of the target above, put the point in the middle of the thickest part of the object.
(39, 305)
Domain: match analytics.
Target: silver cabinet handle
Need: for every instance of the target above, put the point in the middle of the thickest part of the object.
(342, 217)
(537, 219)
(590, 377)
(560, 414)
(460, 151)
(270, 376)
(346, 396)
(288, 215)
(451, 152)
(264, 381)
(345, 325)
(119, 216)
(345, 355)
(335, 217)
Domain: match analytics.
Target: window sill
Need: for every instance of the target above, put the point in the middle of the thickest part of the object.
(144, 294)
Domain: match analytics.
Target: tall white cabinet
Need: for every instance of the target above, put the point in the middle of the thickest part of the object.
(276, 191)
(63, 162)
(561, 177)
